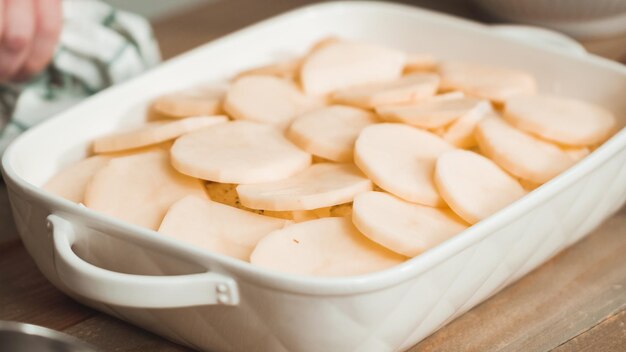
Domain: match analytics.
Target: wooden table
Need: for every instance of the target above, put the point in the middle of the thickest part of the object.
(574, 302)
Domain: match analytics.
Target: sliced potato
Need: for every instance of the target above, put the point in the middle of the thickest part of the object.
(473, 186)
(226, 193)
(460, 133)
(153, 133)
(199, 101)
(330, 132)
(323, 247)
(420, 63)
(577, 154)
(70, 182)
(321, 185)
(405, 228)
(139, 188)
(487, 82)
(562, 120)
(407, 89)
(432, 113)
(287, 69)
(238, 152)
(217, 227)
(401, 160)
(323, 42)
(521, 154)
(342, 64)
(266, 99)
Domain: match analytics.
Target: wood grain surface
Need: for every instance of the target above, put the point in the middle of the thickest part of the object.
(574, 302)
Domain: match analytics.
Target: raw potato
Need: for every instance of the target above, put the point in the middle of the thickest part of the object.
(330, 132)
(217, 227)
(321, 185)
(150, 148)
(405, 228)
(323, 43)
(226, 193)
(407, 89)
(266, 99)
(70, 182)
(285, 69)
(199, 101)
(433, 113)
(323, 247)
(460, 133)
(153, 133)
(420, 63)
(487, 82)
(562, 120)
(577, 153)
(401, 160)
(342, 64)
(238, 152)
(139, 188)
(521, 154)
(473, 186)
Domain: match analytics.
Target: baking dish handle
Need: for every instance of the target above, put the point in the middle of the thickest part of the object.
(137, 291)
(541, 36)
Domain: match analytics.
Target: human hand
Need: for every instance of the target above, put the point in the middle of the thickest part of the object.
(29, 31)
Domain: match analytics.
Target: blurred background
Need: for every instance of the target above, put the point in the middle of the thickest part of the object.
(600, 25)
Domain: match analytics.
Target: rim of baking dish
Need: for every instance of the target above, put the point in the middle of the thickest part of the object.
(332, 285)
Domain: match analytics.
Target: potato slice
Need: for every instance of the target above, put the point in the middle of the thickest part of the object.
(226, 193)
(217, 227)
(401, 160)
(287, 69)
(407, 89)
(487, 82)
(139, 188)
(266, 99)
(199, 101)
(153, 133)
(323, 42)
(577, 154)
(562, 120)
(238, 152)
(342, 64)
(321, 185)
(323, 247)
(330, 132)
(420, 63)
(432, 113)
(70, 182)
(405, 228)
(521, 154)
(473, 186)
(460, 133)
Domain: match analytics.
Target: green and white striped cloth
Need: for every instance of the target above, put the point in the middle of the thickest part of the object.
(99, 46)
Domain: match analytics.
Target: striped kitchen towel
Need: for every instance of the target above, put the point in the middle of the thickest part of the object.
(99, 46)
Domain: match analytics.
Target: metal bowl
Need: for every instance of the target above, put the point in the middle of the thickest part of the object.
(19, 337)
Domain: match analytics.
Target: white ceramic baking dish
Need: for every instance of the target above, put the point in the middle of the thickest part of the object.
(212, 302)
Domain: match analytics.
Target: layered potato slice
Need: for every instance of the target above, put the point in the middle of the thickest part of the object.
(238, 152)
(341, 64)
(139, 188)
(401, 160)
(330, 132)
(321, 185)
(403, 227)
(323, 247)
(153, 133)
(217, 227)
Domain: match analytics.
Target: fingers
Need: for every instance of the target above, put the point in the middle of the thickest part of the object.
(47, 30)
(18, 31)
